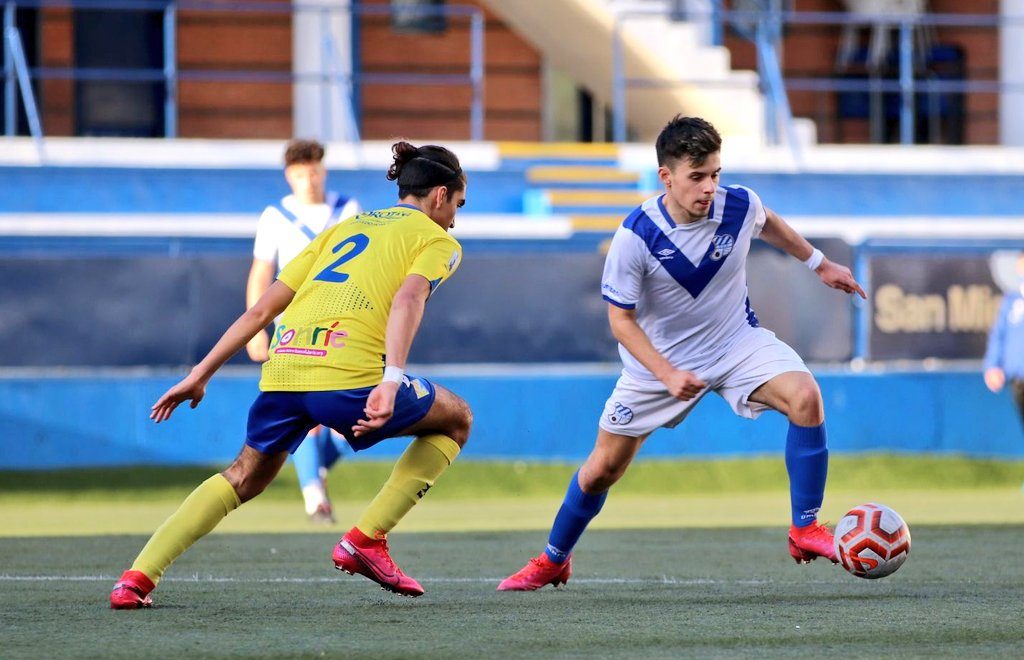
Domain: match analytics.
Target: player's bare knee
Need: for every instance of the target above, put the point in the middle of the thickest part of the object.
(597, 477)
(246, 484)
(461, 423)
(805, 405)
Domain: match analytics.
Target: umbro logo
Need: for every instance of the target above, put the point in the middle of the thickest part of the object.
(665, 254)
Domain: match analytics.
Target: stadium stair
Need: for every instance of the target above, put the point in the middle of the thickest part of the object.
(684, 72)
(577, 180)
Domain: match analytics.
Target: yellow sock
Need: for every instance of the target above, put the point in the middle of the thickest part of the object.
(415, 472)
(201, 511)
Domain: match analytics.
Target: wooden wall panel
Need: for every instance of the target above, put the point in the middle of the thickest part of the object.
(512, 82)
(239, 42)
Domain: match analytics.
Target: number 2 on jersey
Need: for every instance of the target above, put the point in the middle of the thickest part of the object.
(358, 243)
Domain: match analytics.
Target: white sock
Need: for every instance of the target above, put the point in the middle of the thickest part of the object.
(315, 495)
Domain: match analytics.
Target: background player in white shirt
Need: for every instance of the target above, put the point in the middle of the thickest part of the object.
(284, 230)
(675, 281)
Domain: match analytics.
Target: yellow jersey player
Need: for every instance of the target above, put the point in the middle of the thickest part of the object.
(352, 303)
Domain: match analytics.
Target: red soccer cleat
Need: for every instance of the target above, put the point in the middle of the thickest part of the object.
(538, 572)
(132, 591)
(808, 543)
(357, 553)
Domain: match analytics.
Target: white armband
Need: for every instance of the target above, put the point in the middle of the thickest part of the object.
(815, 259)
(393, 375)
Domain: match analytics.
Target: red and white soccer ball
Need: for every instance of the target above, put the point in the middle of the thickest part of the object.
(872, 541)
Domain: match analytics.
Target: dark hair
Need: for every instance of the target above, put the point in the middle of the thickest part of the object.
(303, 151)
(418, 170)
(689, 138)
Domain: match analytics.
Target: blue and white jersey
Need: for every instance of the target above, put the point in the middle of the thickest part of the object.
(285, 229)
(687, 282)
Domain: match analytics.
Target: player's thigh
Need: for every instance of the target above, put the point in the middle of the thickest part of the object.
(794, 394)
(609, 459)
(449, 415)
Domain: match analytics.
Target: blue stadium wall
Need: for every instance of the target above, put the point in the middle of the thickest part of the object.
(97, 419)
(225, 190)
(161, 302)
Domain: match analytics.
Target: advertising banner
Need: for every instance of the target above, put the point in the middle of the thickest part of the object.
(930, 305)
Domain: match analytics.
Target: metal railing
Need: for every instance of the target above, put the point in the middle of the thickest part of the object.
(170, 74)
(768, 25)
(16, 68)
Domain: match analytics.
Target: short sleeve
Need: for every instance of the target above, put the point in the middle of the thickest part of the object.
(624, 270)
(297, 270)
(264, 247)
(757, 208)
(350, 209)
(437, 261)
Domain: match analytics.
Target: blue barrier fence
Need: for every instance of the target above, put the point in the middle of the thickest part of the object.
(101, 419)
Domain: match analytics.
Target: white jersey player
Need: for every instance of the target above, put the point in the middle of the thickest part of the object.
(675, 281)
(284, 230)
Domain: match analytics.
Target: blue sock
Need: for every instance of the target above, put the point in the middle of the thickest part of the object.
(807, 465)
(307, 461)
(331, 447)
(577, 510)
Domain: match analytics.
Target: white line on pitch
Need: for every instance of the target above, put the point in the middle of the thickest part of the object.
(665, 579)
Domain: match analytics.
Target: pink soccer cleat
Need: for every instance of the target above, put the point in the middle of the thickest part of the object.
(357, 553)
(132, 591)
(808, 543)
(538, 572)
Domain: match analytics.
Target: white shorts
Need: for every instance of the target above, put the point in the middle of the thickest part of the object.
(636, 408)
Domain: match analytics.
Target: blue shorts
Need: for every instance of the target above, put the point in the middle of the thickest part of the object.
(279, 421)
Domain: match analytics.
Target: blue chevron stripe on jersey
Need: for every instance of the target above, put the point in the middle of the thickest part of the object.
(695, 278)
(751, 316)
(292, 218)
(339, 203)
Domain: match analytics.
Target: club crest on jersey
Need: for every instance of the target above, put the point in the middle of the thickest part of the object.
(620, 415)
(723, 246)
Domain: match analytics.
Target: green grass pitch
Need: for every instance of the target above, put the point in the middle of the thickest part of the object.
(695, 567)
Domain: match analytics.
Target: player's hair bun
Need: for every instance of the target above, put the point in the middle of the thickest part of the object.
(418, 169)
(403, 152)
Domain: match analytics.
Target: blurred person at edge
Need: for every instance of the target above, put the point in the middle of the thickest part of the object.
(1004, 358)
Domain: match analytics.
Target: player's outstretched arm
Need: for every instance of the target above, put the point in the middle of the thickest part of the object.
(683, 385)
(193, 387)
(778, 233)
(261, 276)
(403, 322)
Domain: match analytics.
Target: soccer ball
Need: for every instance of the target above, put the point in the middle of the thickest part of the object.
(872, 541)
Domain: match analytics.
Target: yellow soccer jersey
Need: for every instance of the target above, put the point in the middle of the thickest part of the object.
(331, 336)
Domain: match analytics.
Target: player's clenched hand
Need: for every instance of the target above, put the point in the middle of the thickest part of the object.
(994, 378)
(189, 389)
(683, 385)
(380, 405)
(839, 277)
